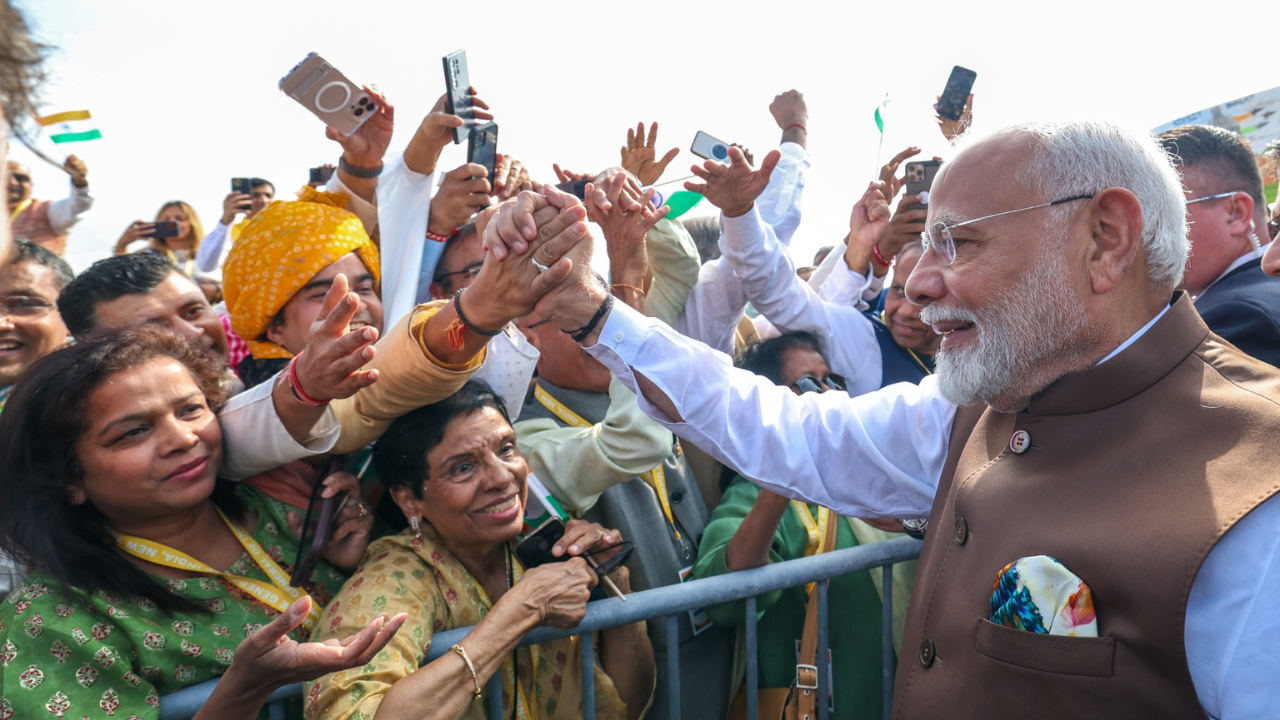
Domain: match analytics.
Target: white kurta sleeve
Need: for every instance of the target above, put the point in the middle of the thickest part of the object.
(254, 439)
(877, 455)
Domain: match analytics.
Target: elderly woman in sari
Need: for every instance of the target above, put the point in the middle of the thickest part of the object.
(148, 573)
(456, 473)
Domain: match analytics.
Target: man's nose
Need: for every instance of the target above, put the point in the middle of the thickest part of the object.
(925, 285)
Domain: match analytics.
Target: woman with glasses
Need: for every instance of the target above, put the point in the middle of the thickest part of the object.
(148, 573)
(753, 527)
(456, 473)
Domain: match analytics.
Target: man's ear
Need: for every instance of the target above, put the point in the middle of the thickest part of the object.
(275, 330)
(438, 292)
(1241, 210)
(1116, 238)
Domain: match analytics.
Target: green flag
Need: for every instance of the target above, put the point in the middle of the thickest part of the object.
(879, 116)
(681, 202)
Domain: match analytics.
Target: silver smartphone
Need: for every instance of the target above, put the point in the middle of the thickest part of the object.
(328, 94)
(707, 147)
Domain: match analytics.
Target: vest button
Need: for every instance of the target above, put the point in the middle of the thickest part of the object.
(926, 653)
(962, 531)
(1020, 442)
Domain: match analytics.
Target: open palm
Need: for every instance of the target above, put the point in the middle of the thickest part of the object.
(734, 186)
(639, 157)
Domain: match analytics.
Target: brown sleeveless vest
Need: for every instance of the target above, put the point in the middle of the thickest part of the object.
(1135, 469)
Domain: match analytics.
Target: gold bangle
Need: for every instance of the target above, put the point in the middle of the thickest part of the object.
(630, 287)
(458, 649)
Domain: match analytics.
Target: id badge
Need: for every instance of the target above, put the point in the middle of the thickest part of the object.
(698, 616)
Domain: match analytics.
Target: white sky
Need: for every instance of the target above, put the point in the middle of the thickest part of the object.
(186, 96)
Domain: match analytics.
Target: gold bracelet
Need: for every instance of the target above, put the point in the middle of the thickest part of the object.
(458, 649)
(631, 287)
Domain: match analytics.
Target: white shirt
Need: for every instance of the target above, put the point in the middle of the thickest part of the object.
(768, 277)
(251, 426)
(66, 212)
(712, 310)
(891, 446)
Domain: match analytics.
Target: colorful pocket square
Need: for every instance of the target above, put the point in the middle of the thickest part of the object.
(1038, 594)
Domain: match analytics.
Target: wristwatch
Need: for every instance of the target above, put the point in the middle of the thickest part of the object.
(916, 527)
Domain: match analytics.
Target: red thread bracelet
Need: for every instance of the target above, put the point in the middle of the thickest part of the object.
(291, 375)
(802, 127)
(879, 257)
(438, 237)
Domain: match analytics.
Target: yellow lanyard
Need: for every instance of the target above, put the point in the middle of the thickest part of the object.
(19, 210)
(910, 352)
(816, 529)
(523, 711)
(655, 478)
(278, 594)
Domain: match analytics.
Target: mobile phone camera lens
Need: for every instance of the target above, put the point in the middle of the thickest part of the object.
(720, 152)
(364, 101)
(359, 112)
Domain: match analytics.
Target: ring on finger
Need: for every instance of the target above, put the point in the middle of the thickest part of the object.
(364, 510)
(541, 268)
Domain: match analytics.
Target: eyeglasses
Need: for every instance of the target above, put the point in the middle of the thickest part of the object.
(613, 563)
(1219, 196)
(809, 383)
(939, 235)
(25, 307)
(471, 270)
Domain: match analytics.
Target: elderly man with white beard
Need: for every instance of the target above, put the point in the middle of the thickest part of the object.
(1108, 474)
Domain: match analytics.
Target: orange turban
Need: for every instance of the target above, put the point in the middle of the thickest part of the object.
(279, 251)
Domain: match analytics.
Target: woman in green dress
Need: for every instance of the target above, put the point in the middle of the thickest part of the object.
(147, 573)
(752, 527)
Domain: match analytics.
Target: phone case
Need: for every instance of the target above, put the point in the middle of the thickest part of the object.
(166, 229)
(535, 549)
(457, 82)
(242, 185)
(956, 93)
(328, 94)
(709, 148)
(483, 147)
(920, 178)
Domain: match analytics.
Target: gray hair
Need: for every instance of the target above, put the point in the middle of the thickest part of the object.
(1084, 157)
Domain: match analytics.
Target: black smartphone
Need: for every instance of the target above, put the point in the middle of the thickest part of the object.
(165, 229)
(243, 185)
(920, 179)
(483, 147)
(457, 84)
(320, 174)
(316, 531)
(576, 188)
(956, 94)
(535, 549)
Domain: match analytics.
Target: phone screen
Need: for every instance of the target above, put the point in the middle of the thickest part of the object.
(484, 147)
(956, 94)
(457, 81)
(243, 185)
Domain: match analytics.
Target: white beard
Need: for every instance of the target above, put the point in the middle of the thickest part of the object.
(1019, 332)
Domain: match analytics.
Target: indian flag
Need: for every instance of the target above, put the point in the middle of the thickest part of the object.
(71, 126)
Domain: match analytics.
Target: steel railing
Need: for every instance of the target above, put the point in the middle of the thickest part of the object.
(667, 603)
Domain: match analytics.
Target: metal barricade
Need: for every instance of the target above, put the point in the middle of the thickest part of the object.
(667, 602)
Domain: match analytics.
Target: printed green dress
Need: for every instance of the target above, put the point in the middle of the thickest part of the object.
(96, 656)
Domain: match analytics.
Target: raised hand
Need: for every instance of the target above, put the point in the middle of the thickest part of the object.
(328, 368)
(232, 205)
(137, 230)
(889, 172)
(638, 155)
(625, 224)
(366, 146)
(510, 176)
(870, 216)
(563, 175)
(270, 659)
(435, 132)
(734, 187)
(951, 128)
(905, 226)
(463, 193)
(78, 171)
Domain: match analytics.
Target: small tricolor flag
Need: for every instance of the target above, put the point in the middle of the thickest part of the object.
(71, 126)
(880, 115)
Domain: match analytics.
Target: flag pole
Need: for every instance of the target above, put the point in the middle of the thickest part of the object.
(880, 125)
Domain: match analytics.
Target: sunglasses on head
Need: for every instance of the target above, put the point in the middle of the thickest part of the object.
(809, 383)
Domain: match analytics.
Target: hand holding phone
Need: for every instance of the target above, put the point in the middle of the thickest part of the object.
(328, 94)
(920, 179)
(709, 148)
(457, 81)
(320, 175)
(956, 94)
(163, 230)
(482, 148)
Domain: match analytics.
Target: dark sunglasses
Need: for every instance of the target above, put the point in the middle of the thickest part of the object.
(809, 383)
(320, 531)
(615, 562)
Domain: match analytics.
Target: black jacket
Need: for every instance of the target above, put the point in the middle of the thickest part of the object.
(1244, 309)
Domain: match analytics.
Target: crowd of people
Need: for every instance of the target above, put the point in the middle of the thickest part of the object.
(296, 447)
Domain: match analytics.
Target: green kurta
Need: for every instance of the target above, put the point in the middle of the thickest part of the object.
(854, 613)
(98, 656)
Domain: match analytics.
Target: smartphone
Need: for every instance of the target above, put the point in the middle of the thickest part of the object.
(920, 178)
(165, 229)
(709, 148)
(328, 94)
(458, 93)
(317, 529)
(483, 147)
(956, 93)
(243, 185)
(535, 549)
(576, 188)
(321, 174)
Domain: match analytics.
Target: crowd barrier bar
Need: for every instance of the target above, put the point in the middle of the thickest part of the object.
(667, 602)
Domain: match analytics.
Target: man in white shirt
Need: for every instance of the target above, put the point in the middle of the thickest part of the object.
(1228, 214)
(214, 247)
(1053, 253)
